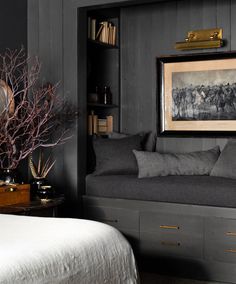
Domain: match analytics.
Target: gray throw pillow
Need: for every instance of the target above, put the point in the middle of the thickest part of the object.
(148, 142)
(226, 164)
(152, 164)
(114, 156)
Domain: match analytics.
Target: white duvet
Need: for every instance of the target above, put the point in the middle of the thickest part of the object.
(50, 250)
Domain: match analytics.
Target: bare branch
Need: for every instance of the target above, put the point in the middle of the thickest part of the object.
(37, 113)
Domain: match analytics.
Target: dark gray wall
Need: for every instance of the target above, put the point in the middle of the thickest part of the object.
(13, 23)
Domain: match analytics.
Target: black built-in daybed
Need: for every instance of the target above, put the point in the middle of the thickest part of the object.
(180, 224)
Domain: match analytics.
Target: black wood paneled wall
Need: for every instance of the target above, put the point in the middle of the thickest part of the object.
(150, 31)
(13, 23)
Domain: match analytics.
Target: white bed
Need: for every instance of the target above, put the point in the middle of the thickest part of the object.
(52, 250)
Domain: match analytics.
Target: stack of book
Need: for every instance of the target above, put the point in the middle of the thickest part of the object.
(98, 126)
(104, 32)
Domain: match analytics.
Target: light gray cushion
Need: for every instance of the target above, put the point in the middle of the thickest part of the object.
(148, 142)
(151, 164)
(114, 156)
(226, 164)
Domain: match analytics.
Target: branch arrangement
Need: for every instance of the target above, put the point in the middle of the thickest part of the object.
(32, 112)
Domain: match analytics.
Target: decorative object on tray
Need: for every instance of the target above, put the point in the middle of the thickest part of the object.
(197, 94)
(31, 112)
(40, 187)
(10, 176)
(93, 97)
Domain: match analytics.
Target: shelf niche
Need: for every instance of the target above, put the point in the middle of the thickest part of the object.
(103, 65)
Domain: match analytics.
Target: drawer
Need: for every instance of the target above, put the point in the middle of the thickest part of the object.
(220, 251)
(220, 228)
(122, 219)
(168, 224)
(154, 244)
(220, 239)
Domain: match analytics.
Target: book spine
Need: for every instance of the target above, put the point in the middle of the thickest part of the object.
(102, 33)
(89, 27)
(114, 35)
(110, 33)
(90, 125)
(102, 125)
(102, 121)
(93, 29)
(109, 124)
(99, 31)
(95, 124)
(106, 32)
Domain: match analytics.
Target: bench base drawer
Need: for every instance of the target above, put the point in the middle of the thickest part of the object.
(174, 246)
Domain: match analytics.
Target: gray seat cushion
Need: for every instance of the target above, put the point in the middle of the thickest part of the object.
(200, 190)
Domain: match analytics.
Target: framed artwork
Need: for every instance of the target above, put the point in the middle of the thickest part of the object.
(197, 94)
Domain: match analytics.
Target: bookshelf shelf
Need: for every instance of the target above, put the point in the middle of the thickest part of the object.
(92, 105)
(101, 44)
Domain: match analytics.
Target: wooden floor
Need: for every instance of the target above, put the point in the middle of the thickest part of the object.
(148, 278)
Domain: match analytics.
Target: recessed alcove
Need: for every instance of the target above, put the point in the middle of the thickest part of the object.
(148, 29)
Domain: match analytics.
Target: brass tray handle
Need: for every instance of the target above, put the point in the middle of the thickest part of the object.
(172, 244)
(231, 250)
(230, 234)
(11, 189)
(169, 227)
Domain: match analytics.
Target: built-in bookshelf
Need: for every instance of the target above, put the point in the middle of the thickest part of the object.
(103, 76)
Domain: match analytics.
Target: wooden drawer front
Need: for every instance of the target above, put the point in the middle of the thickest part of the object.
(172, 246)
(116, 217)
(170, 224)
(220, 239)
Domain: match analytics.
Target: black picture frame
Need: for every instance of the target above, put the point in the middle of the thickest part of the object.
(211, 123)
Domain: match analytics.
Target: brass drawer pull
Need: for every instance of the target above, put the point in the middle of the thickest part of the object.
(108, 221)
(172, 244)
(169, 227)
(231, 250)
(231, 234)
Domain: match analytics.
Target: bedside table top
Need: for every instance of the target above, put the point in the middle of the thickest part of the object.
(32, 205)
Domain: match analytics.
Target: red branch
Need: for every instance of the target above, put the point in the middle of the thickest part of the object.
(36, 114)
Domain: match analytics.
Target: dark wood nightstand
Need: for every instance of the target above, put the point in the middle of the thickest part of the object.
(35, 208)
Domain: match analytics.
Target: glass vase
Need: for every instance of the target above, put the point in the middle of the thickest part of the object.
(41, 189)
